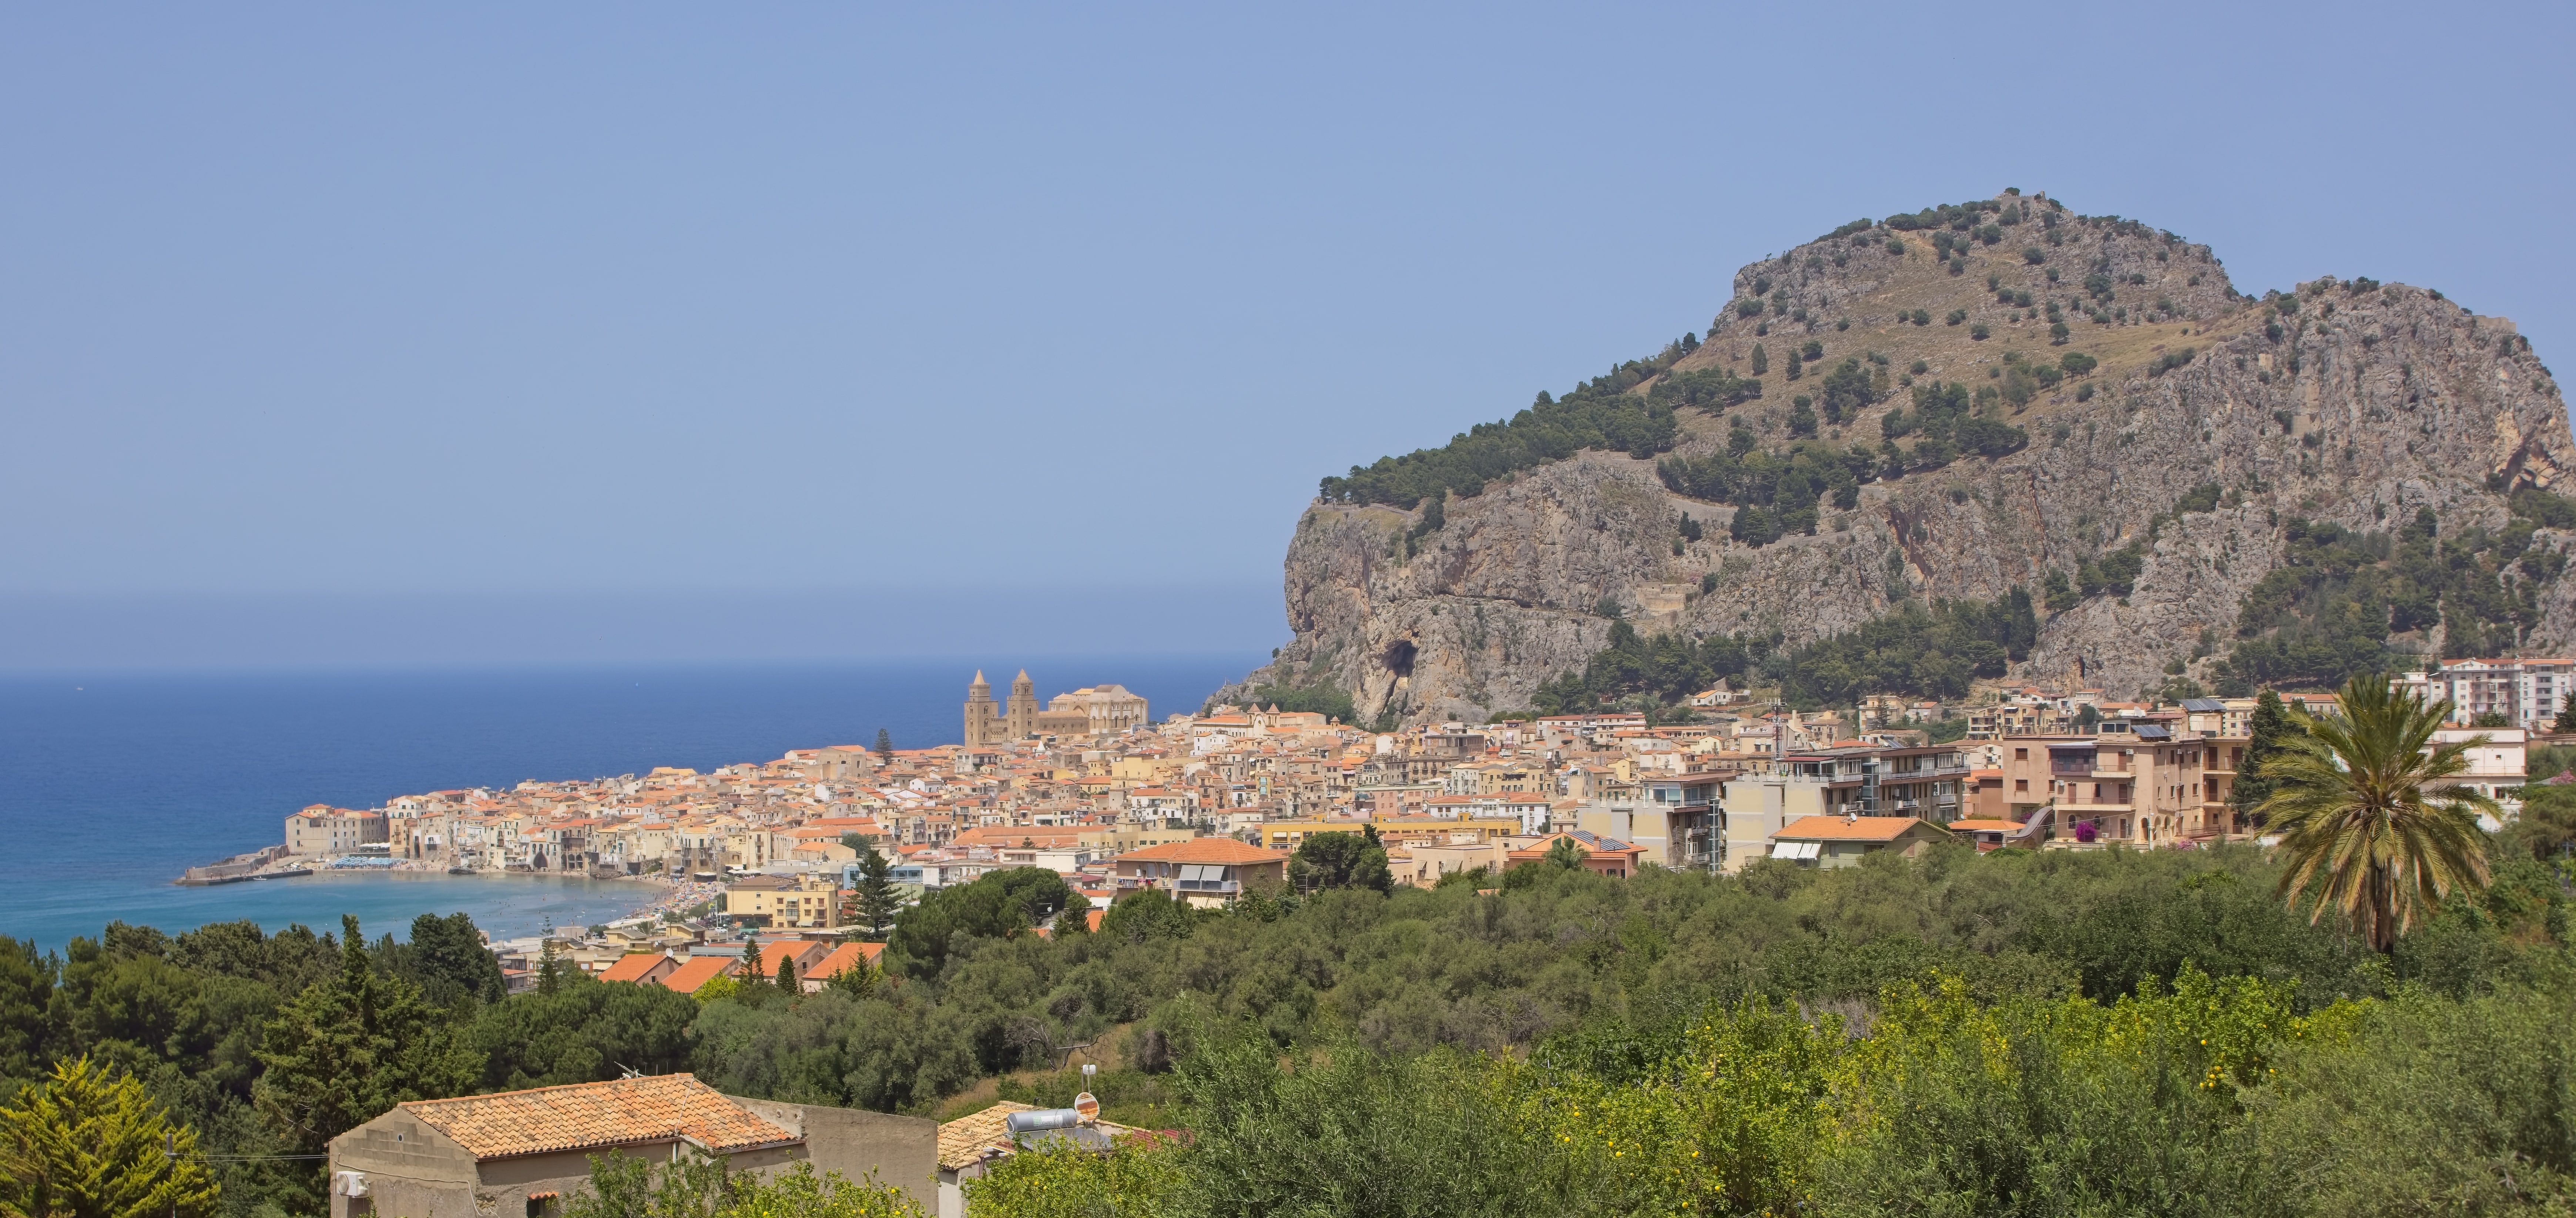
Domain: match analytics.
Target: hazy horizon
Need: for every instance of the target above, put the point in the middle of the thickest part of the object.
(370, 336)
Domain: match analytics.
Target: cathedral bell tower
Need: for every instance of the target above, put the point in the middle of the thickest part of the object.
(980, 720)
(1020, 718)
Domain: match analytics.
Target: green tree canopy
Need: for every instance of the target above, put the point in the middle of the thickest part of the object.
(452, 962)
(89, 1142)
(997, 905)
(1340, 860)
(585, 1031)
(346, 1050)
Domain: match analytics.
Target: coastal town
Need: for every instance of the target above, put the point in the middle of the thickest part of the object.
(1208, 807)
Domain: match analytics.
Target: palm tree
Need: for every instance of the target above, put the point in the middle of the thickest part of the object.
(2368, 822)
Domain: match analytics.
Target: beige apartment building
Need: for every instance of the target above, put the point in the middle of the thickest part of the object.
(2143, 787)
(319, 829)
(803, 902)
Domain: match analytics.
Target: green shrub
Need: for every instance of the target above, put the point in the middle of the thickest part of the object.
(1978, 331)
(1922, 317)
(2076, 363)
(2032, 256)
(1761, 360)
(1812, 351)
(1956, 316)
(1711, 390)
(2169, 361)
(2084, 392)
(1919, 367)
(1847, 392)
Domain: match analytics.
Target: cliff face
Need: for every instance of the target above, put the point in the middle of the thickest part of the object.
(2361, 405)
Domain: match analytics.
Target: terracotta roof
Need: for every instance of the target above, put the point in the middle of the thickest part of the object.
(1594, 846)
(634, 966)
(1218, 850)
(1854, 829)
(802, 951)
(697, 971)
(842, 958)
(1982, 824)
(964, 1141)
(659, 1109)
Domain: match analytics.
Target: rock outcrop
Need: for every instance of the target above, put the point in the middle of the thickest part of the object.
(2358, 406)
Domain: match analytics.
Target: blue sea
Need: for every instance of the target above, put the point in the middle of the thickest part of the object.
(114, 784)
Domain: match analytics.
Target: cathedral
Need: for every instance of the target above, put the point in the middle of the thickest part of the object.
(1096, 710)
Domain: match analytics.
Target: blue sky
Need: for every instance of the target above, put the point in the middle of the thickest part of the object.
(355, 335)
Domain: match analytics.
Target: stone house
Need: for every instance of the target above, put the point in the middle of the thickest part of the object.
(518, 1154)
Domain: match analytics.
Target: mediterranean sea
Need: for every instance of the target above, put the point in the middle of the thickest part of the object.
(111, 785)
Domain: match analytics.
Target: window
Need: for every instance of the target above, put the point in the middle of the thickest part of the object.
(2021, 754)
(2021, 784)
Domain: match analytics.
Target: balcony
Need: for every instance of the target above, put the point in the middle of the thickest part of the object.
(1209, 887)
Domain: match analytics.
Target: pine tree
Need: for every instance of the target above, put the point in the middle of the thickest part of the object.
(753, 970)
(88, 1142)
(1761, 360)
(878, 902)
(549, 966)
(858, 981)
(787, 976)
(885, 745)
(349, 1048)
(2271, 724)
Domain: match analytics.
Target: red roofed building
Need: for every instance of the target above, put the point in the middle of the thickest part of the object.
(640, 968)
(1841, 841)
(1606, 855)
(696, 971)
(524, 1152)
(838, 961)
(805, 952)
(1205, 871)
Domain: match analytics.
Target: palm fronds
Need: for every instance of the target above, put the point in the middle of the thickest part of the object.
(2370, 824)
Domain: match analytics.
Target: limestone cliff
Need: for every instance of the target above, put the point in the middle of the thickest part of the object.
(2356, 406)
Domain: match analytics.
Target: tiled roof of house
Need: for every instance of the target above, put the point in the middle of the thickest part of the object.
(1851, 829)
(697, 971)
(634, 966)
(585, 1115)
(846, 956)
(1224, 851)
(1594, 845)
(963, 1142)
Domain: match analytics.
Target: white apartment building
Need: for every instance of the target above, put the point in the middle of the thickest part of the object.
(2528, 692)
(2496, 766)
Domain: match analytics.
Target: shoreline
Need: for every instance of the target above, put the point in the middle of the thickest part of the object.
(670, 896)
